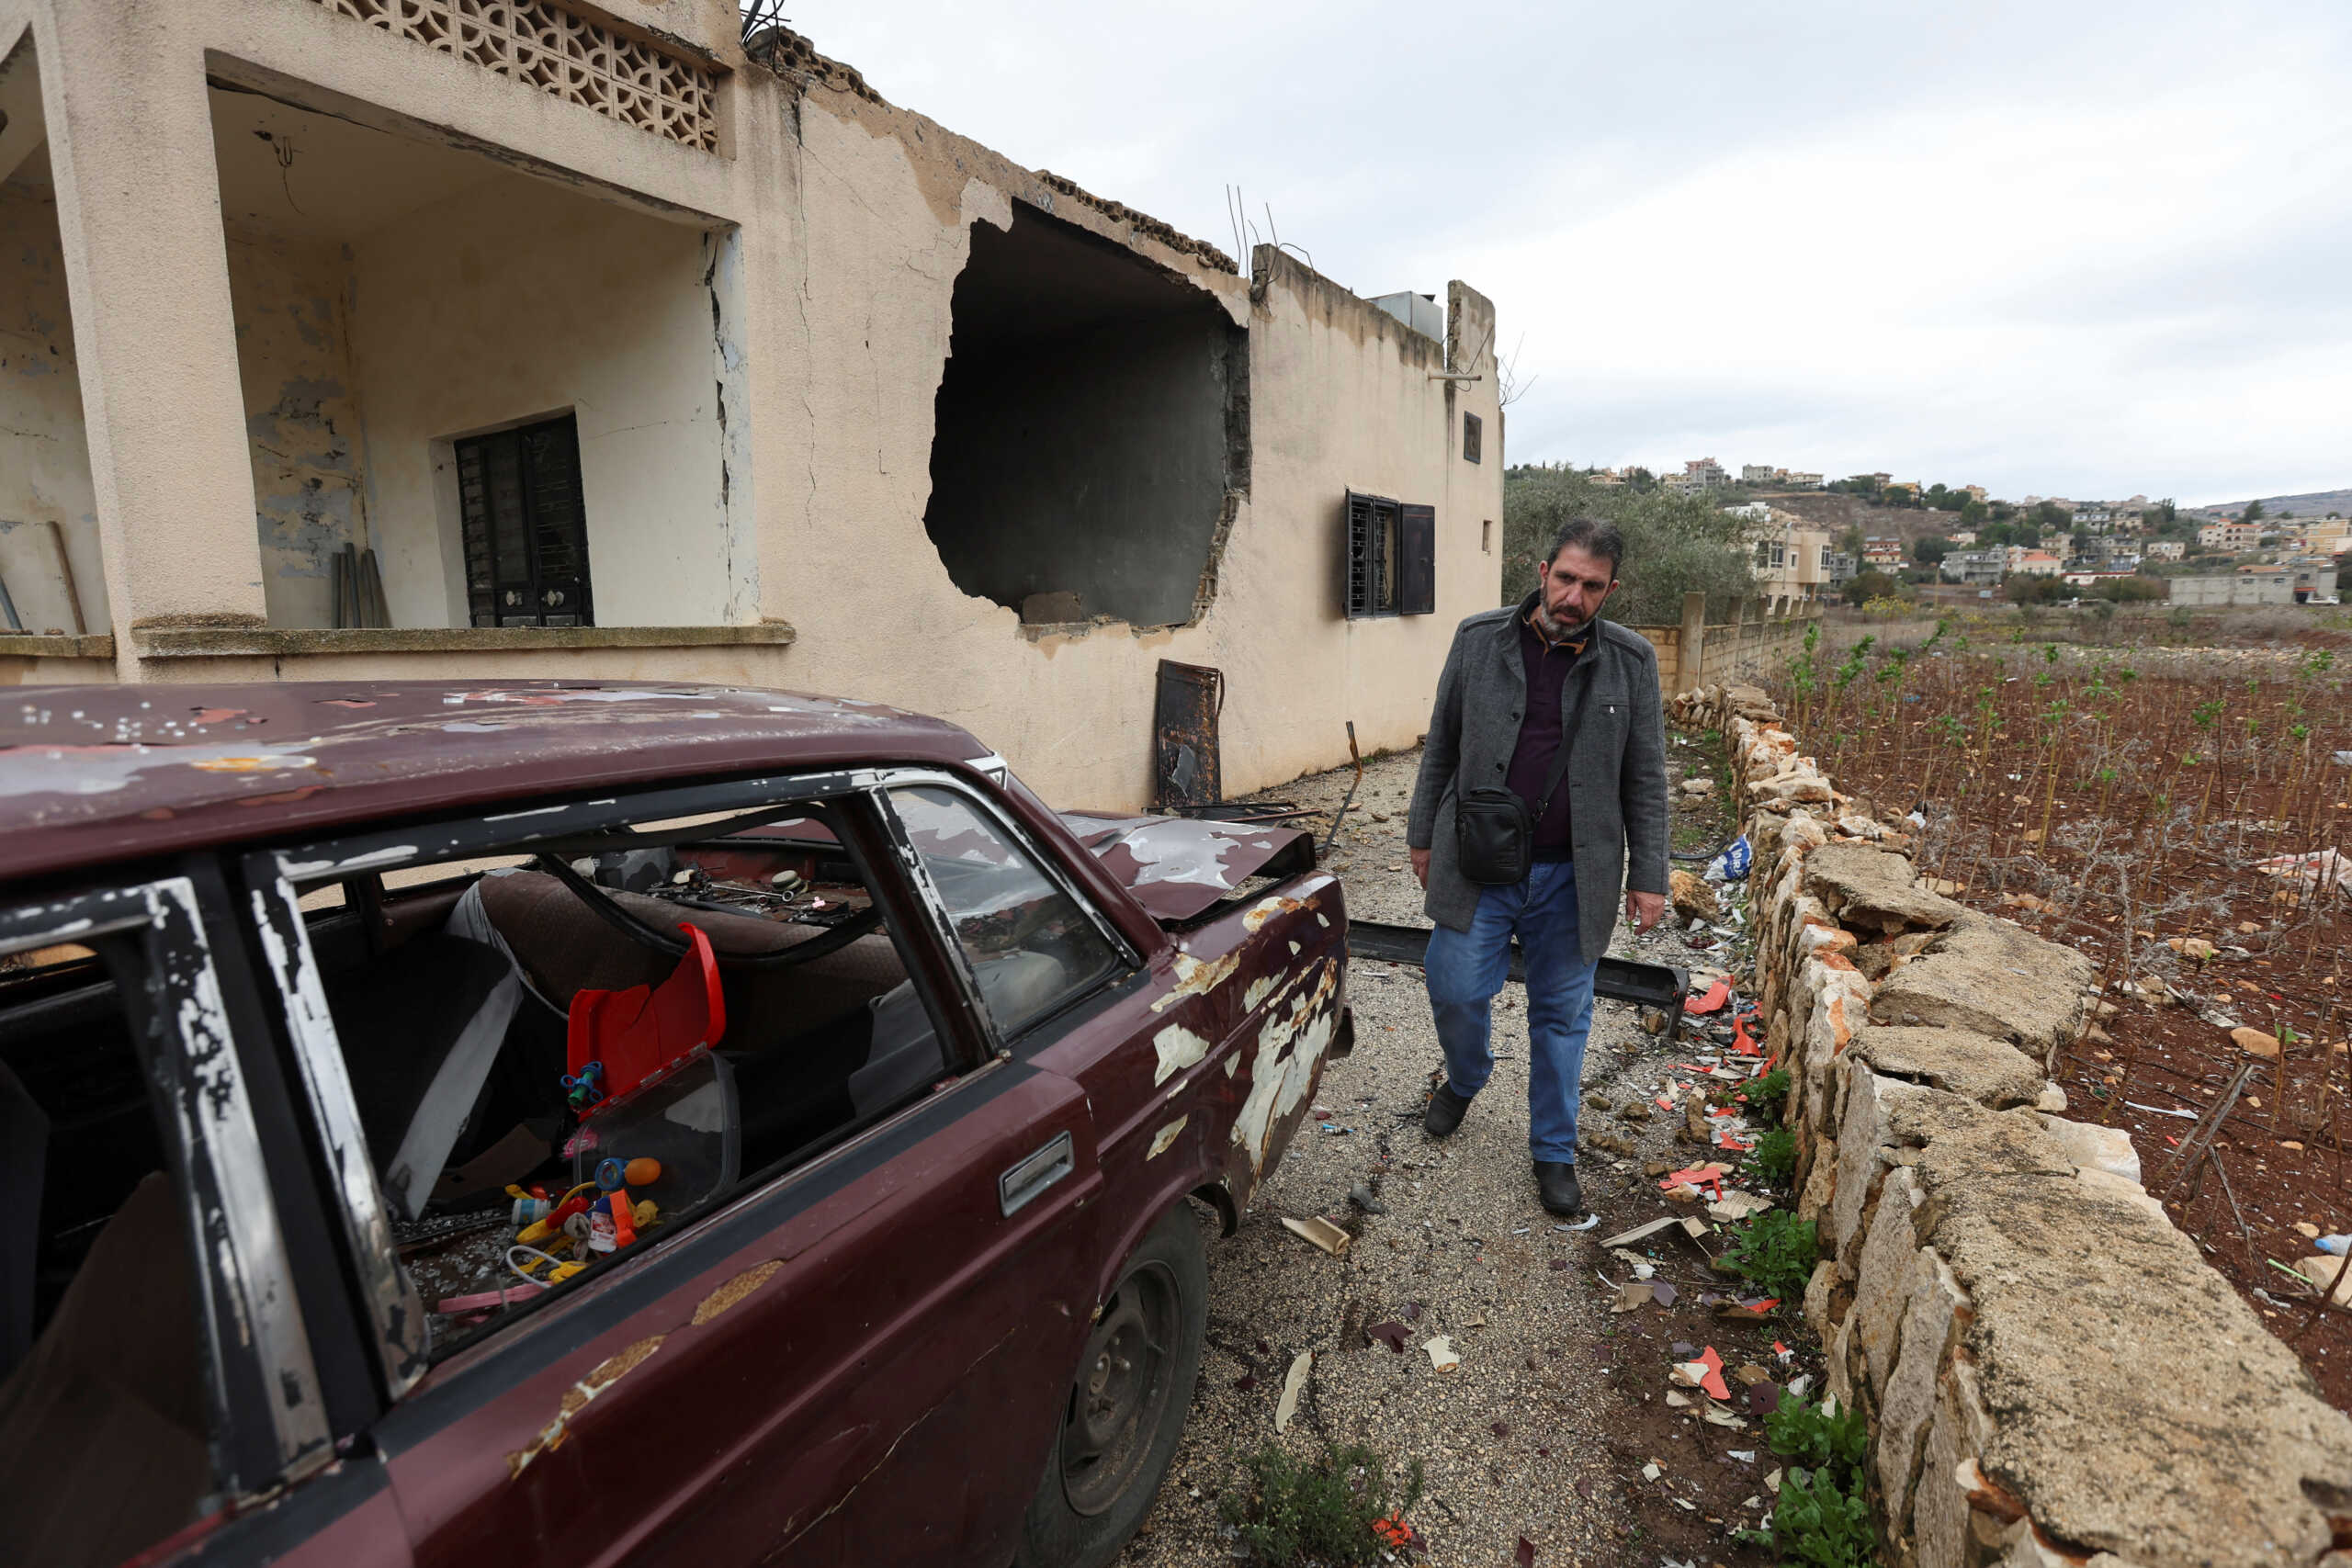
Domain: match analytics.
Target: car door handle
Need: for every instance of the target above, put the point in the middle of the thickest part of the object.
(1037, 1173)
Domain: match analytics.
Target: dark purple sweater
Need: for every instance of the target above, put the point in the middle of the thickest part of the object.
(1538, 738)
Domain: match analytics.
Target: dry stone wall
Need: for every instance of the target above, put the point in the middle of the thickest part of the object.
(2053, 1373)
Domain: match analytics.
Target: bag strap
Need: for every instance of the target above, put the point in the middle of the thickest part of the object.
(1583, 678)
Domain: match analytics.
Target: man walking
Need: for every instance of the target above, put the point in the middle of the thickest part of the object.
(1519, 684)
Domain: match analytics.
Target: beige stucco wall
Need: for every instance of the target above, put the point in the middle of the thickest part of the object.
(44, 459)
(831, 230)
(513, 299)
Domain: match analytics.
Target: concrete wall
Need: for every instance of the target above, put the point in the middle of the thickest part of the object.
(44, 457)
(1339, 396)
(2052, 1372)
(1764, 633)
(292, 309)
(2231, 588)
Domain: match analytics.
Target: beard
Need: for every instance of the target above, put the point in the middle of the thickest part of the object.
(1556, 629)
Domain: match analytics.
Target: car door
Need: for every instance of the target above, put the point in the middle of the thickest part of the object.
(862, 1359)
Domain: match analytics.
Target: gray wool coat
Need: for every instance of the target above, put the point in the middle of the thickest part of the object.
(1616, 778)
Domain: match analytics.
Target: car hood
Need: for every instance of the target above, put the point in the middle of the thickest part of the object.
(1177, 867)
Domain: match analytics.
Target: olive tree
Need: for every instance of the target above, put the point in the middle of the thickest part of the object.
(1674, 543)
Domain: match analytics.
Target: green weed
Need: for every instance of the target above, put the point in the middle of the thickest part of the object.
(1765, 1095)
(1774, 1159)
(1775, 1251)
(1821, 1517)
(1319, 1511)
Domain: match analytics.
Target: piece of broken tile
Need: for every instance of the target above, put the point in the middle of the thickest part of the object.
(1292, 1385)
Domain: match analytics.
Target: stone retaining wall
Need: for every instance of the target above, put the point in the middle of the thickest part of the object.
(2052, 1372)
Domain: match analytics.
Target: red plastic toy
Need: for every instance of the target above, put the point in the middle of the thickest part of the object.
(646, 1030)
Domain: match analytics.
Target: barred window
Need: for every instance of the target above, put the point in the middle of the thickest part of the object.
(526, 530)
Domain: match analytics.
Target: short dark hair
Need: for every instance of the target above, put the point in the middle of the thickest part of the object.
(1592, 535)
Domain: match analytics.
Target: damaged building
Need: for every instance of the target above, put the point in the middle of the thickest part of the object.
(354, 340)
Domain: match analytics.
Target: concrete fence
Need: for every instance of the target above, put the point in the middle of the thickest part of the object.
(2052, 1372)
(1696, 652)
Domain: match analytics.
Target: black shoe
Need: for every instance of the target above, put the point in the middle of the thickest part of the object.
(1445, 1112)
(1556, 1184)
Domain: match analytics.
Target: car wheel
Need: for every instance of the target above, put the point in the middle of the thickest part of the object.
(1125, 1408)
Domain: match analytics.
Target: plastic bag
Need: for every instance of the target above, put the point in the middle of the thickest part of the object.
(1733, 864)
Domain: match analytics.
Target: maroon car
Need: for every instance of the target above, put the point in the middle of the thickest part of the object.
(562, 1123)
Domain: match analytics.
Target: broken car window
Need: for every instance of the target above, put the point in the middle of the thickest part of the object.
(1030, 945)
(562, 1057)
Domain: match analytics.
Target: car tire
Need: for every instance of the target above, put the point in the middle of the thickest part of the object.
(1126, 1404)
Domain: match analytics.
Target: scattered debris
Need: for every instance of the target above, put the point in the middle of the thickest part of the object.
(1391, 1333)
(2314, 866)
(1441, 1353)
(1321, 1232)
(1704, 1373)
(1292, 1385)
(1690, 1225)
(1361, 1197)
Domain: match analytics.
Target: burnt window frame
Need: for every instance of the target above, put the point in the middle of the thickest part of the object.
(1389, 559)
(1473, 438)
(542, 525)
(159, 942)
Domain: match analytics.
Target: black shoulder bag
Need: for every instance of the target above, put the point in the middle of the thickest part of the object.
(1494, 831)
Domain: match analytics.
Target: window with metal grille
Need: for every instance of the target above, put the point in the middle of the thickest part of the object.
(526, 530)
(1391, 557)
(1473, 433)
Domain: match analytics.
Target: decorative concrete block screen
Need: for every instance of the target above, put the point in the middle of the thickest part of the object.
(2052, 1373)
(573, 59)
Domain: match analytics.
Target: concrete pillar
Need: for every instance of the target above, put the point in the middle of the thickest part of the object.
(147, 273)
(1690, 648)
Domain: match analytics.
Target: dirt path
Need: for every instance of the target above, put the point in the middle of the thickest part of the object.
(1543, 1430)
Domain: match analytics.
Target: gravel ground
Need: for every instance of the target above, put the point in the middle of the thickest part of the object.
(1528, 1438)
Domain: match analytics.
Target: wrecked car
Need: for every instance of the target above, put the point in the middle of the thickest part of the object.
(569, 1123)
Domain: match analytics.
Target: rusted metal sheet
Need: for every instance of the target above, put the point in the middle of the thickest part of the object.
(1176, 867)
(1185, 707)
(90, 774)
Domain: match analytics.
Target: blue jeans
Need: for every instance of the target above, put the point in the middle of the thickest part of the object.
(1465, 970)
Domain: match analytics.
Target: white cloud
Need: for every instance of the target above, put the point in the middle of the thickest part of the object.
(2066, 248)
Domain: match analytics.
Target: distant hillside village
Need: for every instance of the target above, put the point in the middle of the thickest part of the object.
(1872, 535)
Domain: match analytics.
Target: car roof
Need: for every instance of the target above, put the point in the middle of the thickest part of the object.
(95, 773)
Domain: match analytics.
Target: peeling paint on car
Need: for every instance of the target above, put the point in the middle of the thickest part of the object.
(1167, 1135)
(1176, 867)
(579, 1396)
(1265, 986)
(1194, 978)
(732, 1293)
(1178, 1048)
(1289, 1048)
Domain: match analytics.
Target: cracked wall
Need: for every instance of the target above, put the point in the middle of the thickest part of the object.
(515, 300)
(44, 457)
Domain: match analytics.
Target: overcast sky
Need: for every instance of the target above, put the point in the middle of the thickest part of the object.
(2071, 249)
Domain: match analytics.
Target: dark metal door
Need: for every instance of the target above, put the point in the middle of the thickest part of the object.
(1184, 745)
(1417, 572)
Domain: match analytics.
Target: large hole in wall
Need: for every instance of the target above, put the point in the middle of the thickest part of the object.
(1090, 425)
